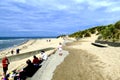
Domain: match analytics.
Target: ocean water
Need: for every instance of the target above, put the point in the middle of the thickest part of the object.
(11, 42)
(7, 42)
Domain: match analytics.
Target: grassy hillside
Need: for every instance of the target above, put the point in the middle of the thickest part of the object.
(109, 32)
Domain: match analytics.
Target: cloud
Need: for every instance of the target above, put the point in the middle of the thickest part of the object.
(59, 16)
(21, 1)
(97, 4)
(113, 9)
(34, 30)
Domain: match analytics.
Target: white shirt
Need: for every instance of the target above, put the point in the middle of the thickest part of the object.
(60, 47)
(44, 56)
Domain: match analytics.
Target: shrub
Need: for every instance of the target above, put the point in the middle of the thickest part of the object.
(87, 34)
(99, 37)
(117, 25)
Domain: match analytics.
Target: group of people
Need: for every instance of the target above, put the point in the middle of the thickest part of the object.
(28, 71)
(17, 51)
(48, 40)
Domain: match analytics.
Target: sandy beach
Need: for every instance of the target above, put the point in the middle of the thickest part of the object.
(80, 61)
(89, 62)
(26, 48)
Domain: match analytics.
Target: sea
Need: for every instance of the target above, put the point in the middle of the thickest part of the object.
(8, 42)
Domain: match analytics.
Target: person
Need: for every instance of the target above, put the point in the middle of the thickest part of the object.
(17, 51)
(49, 40)
(60, 49)
(12, 52)
(36, 61)
(43, 55)
(12, 75)
(5, 63)
(28, 71)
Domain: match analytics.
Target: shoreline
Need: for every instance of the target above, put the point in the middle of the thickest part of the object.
(7, 51)
(33, 45)
(22, 44)
(14, 45)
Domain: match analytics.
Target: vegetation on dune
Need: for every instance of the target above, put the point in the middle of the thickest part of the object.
(92, 30)
(61, 36)
(109, 32)
(117, 25)
(87, 34)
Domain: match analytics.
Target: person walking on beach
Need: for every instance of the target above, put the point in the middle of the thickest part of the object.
(5, 63)
(12, 52)
(17, 51)
(60, 49)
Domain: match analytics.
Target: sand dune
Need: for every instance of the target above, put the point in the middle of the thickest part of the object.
(85, 61)
(89, 62)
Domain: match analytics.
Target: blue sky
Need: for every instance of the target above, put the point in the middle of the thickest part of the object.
(55, 17)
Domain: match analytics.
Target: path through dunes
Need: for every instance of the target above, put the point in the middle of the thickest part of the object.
(81, 65)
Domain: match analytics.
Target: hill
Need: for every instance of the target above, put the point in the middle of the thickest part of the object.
(109, 32)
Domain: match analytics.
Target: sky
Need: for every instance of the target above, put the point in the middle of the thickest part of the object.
(55, 17)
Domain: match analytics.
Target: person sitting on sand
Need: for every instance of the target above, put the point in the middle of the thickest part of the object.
(43, 55)
(28, 71)
(5, 63)
(36, 61)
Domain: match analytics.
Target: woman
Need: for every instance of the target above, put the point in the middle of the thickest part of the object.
(60, 49)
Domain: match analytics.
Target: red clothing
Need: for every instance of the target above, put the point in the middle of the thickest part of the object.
(36, 61)
(5, 62)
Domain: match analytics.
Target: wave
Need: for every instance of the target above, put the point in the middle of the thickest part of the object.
(6, 43)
